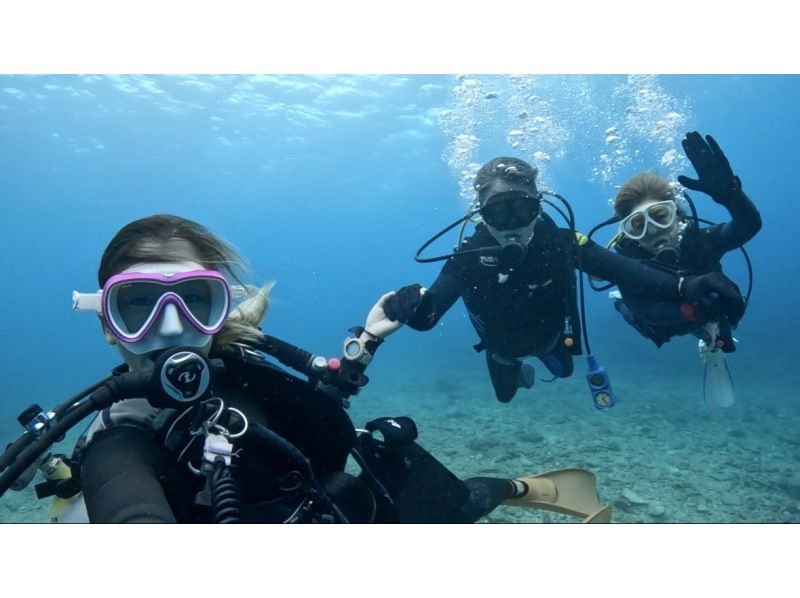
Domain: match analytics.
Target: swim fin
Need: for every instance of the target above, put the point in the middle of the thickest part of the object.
(717, 382)
(601, 515)
(569, 491)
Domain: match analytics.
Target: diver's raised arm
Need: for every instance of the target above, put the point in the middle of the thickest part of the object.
(716, 179)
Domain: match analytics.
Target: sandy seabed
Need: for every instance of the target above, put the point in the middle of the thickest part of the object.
(659, 455)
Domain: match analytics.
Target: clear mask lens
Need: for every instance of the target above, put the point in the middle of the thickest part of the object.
(136, 301)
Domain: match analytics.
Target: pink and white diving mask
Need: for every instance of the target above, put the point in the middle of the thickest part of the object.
(133, 302)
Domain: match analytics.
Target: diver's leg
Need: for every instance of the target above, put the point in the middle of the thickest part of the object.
(485, 494)
(351, 495)
(508, 375)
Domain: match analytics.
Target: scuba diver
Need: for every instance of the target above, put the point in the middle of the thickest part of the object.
(653, 227)
(516, 275)
(199, 425)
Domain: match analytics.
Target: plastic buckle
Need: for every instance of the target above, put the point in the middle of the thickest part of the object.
(216, 446)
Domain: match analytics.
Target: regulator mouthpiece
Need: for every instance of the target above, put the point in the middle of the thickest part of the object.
(181, 378)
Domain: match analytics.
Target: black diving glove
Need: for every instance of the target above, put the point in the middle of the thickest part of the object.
(715, 177)
(714, 296)
(402, 306)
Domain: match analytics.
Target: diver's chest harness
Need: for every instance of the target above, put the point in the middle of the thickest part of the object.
(182, 381)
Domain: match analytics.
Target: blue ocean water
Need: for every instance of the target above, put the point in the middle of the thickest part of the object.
(329, 184)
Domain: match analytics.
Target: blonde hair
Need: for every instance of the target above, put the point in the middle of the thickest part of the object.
(147, 240)
(640, 188)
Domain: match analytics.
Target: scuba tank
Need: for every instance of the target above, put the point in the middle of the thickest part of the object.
(66, 489)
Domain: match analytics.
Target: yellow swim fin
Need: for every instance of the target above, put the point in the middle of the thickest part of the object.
(569, 491)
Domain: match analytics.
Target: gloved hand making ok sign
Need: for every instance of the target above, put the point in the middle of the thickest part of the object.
(714, 173)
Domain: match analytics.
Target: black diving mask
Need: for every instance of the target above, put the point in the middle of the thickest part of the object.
(511, 210)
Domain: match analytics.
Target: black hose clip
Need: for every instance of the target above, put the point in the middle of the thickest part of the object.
(35, 420)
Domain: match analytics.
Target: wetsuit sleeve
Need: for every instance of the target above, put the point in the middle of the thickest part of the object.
(657, 313)
(440, 297)
(745, 223)
(634, 275)
(120, 475)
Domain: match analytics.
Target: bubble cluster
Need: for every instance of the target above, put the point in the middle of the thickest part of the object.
(650, 125)
(462, 124)
(607, 128)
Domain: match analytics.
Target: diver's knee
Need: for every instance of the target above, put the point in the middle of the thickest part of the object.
(505, 395)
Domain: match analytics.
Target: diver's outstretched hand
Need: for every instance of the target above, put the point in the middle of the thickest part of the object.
(715, 177)
(402, 305)
(379, 323)
(714, 296)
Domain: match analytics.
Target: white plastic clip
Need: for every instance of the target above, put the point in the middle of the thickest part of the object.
(217, 445)
(87, 301)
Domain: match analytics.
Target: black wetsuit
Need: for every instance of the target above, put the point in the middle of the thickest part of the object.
(137, 471)
(700, 252)
(529, 308)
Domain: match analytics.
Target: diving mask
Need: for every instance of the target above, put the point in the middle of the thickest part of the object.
(510, 210)
(134, 302)
(660, 214)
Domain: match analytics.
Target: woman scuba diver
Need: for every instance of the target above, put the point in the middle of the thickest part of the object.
(200, 426)
(654, 228)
